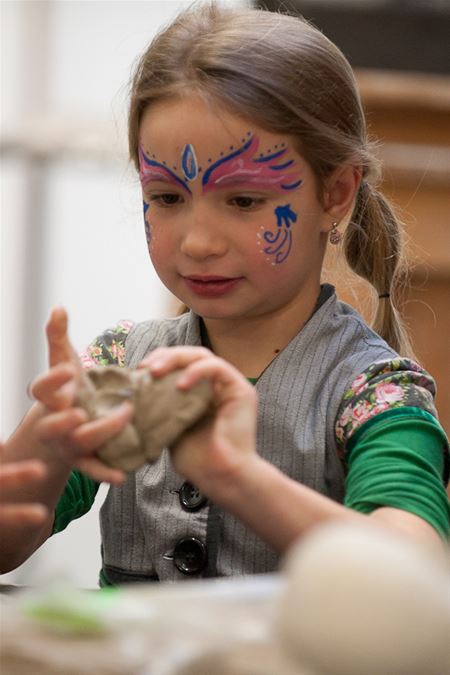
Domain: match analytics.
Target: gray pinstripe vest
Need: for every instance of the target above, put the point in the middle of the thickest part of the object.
(299, 396)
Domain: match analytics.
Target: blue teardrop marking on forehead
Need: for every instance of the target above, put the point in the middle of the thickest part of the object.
(189, 163)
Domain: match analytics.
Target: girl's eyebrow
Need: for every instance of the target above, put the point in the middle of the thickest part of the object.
(156, 175)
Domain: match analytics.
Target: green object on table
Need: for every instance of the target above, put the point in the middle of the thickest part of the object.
(73, 611)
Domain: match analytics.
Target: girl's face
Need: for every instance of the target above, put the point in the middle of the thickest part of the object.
(233, 222)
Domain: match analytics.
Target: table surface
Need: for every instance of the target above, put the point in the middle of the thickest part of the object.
(169, 626)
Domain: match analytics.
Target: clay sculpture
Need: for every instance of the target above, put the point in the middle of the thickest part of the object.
(162, 412)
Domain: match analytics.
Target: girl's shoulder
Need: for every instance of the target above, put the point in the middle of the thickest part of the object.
(108, 348)
(126, 343)
(384, 386)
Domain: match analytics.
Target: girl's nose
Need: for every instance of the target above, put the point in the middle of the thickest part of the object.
(202, 236)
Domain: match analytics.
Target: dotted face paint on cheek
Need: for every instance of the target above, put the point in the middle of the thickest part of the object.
(277, 245)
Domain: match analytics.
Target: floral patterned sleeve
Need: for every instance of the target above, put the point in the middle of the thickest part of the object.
(383, 386)
(109, 348)
(393, 449)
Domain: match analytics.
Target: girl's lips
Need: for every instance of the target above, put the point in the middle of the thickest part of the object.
(211, 286)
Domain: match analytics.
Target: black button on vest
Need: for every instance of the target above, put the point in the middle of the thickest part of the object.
(189, 555)
(191, 498)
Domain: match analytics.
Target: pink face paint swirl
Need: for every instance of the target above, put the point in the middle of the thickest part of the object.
(151, 170)
(270, 172)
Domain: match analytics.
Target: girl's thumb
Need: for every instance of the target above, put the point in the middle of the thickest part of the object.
(59, 348)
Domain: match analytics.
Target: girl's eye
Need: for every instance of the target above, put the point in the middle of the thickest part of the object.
(166, 199)
(246, 202)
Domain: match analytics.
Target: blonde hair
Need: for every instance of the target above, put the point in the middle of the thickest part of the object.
(284, 74)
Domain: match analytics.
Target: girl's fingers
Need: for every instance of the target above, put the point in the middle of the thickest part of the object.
(22, 514)
(55, 389)
(59, 346)
(97, 470)
(227, 381)
(92, 435)
(57, 425)
(165, 359)
(14, 474)
(198, 363)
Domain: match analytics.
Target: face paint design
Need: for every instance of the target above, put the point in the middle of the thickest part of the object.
(150, 169)
(280, 241)
(243, 168)
(148, 234)
(273, 171)
(189, 163)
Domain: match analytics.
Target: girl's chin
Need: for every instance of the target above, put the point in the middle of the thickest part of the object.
(212, 309)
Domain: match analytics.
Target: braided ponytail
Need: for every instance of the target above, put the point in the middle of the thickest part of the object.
(373, 247)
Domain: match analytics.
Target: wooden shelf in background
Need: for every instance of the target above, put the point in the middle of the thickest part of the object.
(409, 114)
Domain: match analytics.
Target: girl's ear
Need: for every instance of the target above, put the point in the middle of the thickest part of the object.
(340, 191)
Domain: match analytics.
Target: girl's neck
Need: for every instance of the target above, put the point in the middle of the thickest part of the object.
(250, 344)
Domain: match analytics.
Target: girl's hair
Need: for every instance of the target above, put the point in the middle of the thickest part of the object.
(286, 76)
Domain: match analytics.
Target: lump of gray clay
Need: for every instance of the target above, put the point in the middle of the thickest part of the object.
(162, 412)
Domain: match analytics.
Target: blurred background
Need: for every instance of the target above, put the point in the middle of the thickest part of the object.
(71, 225)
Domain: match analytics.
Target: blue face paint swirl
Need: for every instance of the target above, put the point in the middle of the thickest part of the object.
(278, 167)
(166, 172)
(292, 186)
(227, 158)
(244, 167)
(268, 158)
(148, 234)
(189, 163)
(280, 241)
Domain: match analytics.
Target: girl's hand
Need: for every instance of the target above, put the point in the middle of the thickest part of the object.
(63, 425)
(214, 451)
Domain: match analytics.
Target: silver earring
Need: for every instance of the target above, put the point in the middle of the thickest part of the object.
(335, 235)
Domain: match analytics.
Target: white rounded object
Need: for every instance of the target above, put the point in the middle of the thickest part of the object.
(362, 600)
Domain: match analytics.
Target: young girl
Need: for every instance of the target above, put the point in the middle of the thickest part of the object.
(248, 134)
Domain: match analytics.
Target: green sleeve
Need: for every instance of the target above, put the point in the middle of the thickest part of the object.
(398, 459)
(76, 500)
